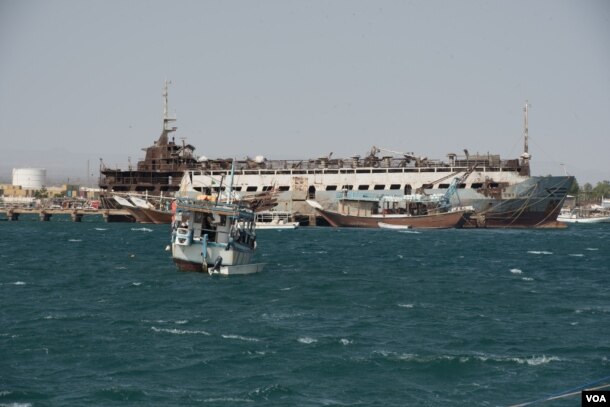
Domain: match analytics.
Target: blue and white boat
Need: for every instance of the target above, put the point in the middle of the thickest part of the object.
(214, 237)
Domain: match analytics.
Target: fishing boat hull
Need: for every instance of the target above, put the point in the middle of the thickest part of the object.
(189, 257)
(291, 225)
(600, 219)
(445, 220)
(184, 265)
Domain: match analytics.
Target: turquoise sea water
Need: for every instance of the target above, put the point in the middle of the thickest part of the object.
(95, 314)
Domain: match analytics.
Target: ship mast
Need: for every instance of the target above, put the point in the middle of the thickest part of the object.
(526, 156)
(163, 139)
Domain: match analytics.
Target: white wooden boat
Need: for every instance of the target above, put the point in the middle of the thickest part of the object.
(275, 220)
(218, 238)
(215, 237)
(585, 215)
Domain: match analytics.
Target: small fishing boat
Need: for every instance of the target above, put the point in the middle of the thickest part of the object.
(218, 238)
(274, 219)
(585, 215)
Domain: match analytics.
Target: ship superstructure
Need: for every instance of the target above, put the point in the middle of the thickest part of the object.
(323, 179)
(161, 170)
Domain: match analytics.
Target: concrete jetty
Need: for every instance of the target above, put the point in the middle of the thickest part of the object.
(45, 214)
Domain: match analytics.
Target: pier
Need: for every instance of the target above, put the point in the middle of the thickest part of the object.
(45, 214)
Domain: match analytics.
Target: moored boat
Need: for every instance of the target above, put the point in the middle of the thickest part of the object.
(158, 216)
(154, 213)
(134, 210)
(275, 220)
(585, 215)
(533, 203)
(409, 211)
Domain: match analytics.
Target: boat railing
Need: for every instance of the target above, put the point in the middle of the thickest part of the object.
(489, 162)
(383, 196)
(217, 172)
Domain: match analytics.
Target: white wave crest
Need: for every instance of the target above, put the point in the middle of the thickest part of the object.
(345, 342)
(281, 316)
(101, 229)
(406, 305)
(141, 229)
(19, 283)
(227, 400)
(527, 279)
(180, 331)
(536, 360)
(75, 240)
(307, 340)
(539, 252)
(516, 271)
(591, 248)
(409, 357)
(576, 255)
(241, 338)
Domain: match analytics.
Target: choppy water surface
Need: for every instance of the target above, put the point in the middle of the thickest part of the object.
(96, 314)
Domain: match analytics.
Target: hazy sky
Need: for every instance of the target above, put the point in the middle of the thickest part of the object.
(82, 80)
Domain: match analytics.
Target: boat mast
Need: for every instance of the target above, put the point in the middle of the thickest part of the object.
(166, 118)
(526, 156)
(229, 197)
(164, 139)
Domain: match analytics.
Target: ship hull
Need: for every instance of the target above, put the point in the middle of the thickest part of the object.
(158, 217)
(139, 214)
(186, 255)
(438, 221)
(533, 203)
(326, 187)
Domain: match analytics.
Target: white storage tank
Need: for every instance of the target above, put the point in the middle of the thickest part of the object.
(30, 178)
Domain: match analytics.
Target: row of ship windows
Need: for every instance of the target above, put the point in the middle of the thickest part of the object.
(352, 171)
(364, 187)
